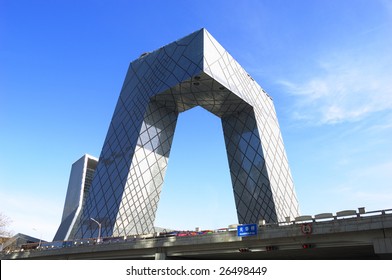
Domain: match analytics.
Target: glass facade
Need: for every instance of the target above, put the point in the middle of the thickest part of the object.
(78, 190)
(193, 71)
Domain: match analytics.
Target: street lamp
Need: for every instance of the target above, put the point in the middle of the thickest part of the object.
(99, 229)
(40, 237)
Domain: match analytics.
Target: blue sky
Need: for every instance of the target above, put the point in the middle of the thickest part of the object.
(327, 65)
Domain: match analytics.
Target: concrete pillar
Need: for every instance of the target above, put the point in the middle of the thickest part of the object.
(160, 256)
(383, 245)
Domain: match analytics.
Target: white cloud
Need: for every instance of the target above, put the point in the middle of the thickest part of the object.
(386, 125)
(344, 89)
(347, 81)
(370, 186)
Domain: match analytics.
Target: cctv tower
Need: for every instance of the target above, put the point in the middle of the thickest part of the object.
(193, 71)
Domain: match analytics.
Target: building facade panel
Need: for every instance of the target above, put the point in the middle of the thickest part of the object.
(193, 71)
(79, 185)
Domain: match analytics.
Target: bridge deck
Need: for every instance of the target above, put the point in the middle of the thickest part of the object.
(352, 237)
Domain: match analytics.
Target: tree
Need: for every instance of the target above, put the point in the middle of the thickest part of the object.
(4, 223)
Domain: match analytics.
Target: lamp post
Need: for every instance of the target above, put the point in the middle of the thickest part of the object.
(40, 237)
(99, 229)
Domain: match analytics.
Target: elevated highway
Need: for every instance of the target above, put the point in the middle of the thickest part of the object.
(346, 235)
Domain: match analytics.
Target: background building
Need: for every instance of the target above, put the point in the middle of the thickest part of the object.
(17, 241)
(78, 190)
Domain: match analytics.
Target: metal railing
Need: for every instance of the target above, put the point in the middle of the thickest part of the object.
(319, 218)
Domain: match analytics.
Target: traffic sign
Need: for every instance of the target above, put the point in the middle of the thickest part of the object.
(306, 228)
(247, 230)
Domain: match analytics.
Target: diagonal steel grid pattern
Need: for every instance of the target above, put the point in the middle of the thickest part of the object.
(193, 71)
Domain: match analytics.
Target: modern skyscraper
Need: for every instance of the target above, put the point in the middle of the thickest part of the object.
(78, 189)
(193, 71)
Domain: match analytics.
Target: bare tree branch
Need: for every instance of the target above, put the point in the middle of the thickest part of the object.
(4, 223)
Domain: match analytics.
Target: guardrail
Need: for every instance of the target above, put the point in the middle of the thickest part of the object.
(319, 218)
(326, 217)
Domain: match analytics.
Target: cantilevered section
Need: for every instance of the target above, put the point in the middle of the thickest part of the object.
(193, 71)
